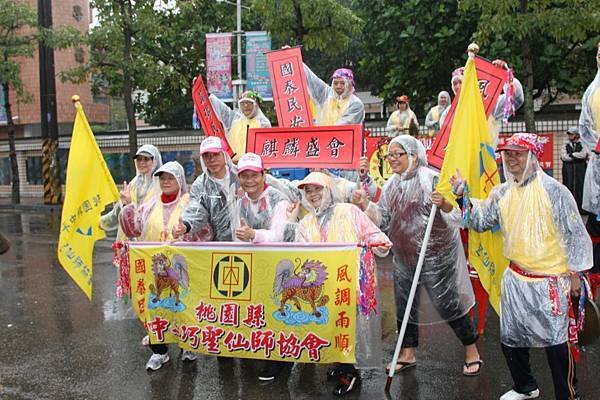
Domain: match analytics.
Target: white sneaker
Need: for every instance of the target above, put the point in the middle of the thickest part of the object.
(512, 395)
(157, 361)
(187, 355)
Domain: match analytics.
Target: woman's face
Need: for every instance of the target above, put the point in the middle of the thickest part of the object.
(168, 184)
(456, 85)
(402, 106)
(247, 108)
(143, 164)
(253, 183)
(398, 158)
(314, 195)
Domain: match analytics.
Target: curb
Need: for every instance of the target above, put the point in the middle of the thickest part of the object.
(41, 208)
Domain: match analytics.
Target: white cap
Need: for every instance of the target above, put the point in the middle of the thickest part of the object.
(250, 161)
(212, 144)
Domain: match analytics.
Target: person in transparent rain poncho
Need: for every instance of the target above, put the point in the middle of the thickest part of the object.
(589, 129)
(403, 121)
(505, 105)
(153, 221)
(432, 120)
(141, 188)
(336, 104)
(444, 292)
(262, 214)
(330, 220)
(237, 122)
(212, 195)
(547, 245)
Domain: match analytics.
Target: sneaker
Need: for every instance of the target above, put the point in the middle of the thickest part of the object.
(156, 361)
(514, 395)
(187, 355)
(348, 382)
(271, 370)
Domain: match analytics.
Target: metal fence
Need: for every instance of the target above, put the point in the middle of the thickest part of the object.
(183, 146)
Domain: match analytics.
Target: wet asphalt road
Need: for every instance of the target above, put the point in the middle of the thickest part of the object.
(58, 345)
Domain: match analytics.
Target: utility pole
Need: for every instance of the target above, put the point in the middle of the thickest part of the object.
(48, 120)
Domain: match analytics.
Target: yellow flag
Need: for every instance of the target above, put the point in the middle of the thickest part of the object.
(470, 151)
(89, 188)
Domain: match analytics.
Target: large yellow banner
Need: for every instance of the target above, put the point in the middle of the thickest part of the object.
(290, 303)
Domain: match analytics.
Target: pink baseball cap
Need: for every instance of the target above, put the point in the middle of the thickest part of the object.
(212, 144)
(251, 162)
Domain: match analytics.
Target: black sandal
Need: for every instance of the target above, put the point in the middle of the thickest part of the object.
(470, 364)
(348, 382)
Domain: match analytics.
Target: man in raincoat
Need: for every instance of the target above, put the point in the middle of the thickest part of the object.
(336, 104)
(212, 195)
(547, 245)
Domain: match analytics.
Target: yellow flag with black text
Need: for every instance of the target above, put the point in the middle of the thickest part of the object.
(89, 189)
(470, 151)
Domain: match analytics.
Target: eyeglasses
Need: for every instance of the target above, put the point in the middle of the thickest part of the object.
(394, 156)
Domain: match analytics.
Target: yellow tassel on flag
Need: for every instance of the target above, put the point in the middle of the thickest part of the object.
(88, 190)
(470, 151)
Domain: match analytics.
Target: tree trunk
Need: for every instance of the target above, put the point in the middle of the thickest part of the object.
(14, 166)
(528, 79)
(126, 14)
(299, 29)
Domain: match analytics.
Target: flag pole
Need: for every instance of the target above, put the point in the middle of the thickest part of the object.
(411, 296)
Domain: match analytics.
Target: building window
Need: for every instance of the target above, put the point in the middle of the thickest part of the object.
(77, 13)
(80, 55)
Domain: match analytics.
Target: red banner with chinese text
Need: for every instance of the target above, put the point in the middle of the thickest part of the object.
(337, 146)
(289, 302)
(290, 94)
(206, 114)
(491, 82)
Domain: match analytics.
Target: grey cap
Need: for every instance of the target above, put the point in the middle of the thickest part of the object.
(573, 129)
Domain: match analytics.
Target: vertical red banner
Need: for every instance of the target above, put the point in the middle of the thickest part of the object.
(290, 94)
(208, 119)
(491, 81)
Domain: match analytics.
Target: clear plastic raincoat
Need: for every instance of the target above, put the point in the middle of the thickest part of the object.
(337, 222)
(154, 220)
(444, 292)
(589, 128)
(333, 109)
(267, 215)
(212, 202)
(543, 235)
(143, 187)
(432, 120)
(236, 124)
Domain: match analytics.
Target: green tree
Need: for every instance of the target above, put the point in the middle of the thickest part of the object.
(411, 47)
(19, 37)
(328, 30)
(178, 48)
(547, 42)
(117, 63)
